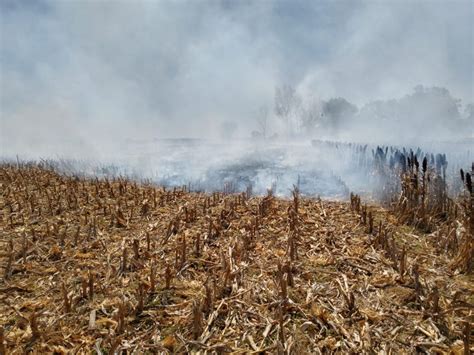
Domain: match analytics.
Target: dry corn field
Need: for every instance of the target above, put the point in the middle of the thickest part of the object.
(115, 266)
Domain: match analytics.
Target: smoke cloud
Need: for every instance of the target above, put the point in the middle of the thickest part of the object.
(89, 74)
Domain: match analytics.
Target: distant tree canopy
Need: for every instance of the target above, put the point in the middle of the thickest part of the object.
(337, 112)
(427, 111)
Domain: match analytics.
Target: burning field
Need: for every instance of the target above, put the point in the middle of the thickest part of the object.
(215, 176)
(111, 265)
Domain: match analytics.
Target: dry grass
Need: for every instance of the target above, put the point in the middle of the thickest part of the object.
(113, 266)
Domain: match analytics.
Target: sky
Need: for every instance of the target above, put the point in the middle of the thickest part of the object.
(90, 71)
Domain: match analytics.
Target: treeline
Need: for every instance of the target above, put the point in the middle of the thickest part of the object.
(429, 113)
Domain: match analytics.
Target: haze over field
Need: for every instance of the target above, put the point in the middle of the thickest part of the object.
(94, 73)
(103, 80)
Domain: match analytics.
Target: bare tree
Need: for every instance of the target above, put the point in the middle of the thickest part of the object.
(262, 120)
(283, 102)
(287, 104)
(311, 115)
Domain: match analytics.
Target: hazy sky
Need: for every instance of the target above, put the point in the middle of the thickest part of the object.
(82, 69)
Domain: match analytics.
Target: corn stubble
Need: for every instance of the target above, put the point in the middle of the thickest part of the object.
(111, 265)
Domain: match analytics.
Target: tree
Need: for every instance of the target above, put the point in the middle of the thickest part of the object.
(427, 113)
(287, 104)
(431, 111)
(262, 120)
(337, 111)
(311, 115)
